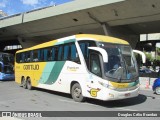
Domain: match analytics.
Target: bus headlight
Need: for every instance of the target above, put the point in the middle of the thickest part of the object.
(107, 86)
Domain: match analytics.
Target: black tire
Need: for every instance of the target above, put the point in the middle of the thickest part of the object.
(157, 90)
(29, 85)
(76, 93)
(23, 83)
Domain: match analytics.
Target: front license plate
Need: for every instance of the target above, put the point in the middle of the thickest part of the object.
(127, 94)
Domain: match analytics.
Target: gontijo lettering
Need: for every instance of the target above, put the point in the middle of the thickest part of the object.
(31, 67)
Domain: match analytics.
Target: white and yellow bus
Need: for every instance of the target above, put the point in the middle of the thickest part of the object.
(83, 65)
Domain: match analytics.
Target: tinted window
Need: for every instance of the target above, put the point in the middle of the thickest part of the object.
(27, 56)
(95, 64)
(45, 54)
(22, 57)
(66, 52)
(84, 47)
(18, 57)
(60, 53)
(53, 53)
(73, 52)
(49, 54)
(36, 55)
(0, 67)
(56, 53)
(8, 69)
(41, 55)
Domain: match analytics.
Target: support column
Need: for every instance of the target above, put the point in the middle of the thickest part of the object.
(105, 28)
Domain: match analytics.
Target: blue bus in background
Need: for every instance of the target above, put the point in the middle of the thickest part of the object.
(6, 66)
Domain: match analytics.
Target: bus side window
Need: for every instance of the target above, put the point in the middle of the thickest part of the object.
(66, 52)
(95, 67)
(35, 55)
(85, 51)
(49, 54)
(23, 57)
(45, 54)
(53, 53)
(60, 53)
(39, 55)
(42, 54)
(27, 57)
(84, 48)
(56, 53)
(31, 56)
(74, 54)
(0, 67)
(18, 57)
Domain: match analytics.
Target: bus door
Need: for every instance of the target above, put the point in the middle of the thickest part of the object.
(95, 73)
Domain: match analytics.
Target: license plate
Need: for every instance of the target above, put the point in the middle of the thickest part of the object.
(127, 94)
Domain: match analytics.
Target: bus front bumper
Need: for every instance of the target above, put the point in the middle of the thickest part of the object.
(117, 95)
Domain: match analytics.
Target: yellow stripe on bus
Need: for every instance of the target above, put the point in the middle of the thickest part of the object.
(51, 43)
(119, 85)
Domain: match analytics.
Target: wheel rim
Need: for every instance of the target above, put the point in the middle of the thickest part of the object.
(77, 92)
(23, 82)
(158, 90)
(29, 84)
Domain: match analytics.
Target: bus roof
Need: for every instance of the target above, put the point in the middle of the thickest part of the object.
(78, 37)
(101, 38)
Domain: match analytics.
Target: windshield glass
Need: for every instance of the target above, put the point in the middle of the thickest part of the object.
(8, 69)
(7, 58)
(0, 67)
(121, 62)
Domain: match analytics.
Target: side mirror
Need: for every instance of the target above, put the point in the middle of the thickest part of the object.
(142, 54)
(102, 51)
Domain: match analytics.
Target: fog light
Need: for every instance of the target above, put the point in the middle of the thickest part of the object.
(111, 95)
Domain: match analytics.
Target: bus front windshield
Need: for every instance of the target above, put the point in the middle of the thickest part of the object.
(121, 64)
(8, 69)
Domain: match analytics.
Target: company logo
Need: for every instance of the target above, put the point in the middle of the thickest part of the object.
(21, 114)
(31, 67)
(94, 92)
(6, 114)
(72, 68)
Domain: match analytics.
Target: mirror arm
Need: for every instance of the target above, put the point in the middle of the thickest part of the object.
(142, 54)
(102, 51)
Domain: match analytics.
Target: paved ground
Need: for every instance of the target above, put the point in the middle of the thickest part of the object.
(15, 98)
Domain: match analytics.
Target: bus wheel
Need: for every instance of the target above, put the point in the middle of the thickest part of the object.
(157, 90)
(29, 86)
(23, 83)
(76, 93)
